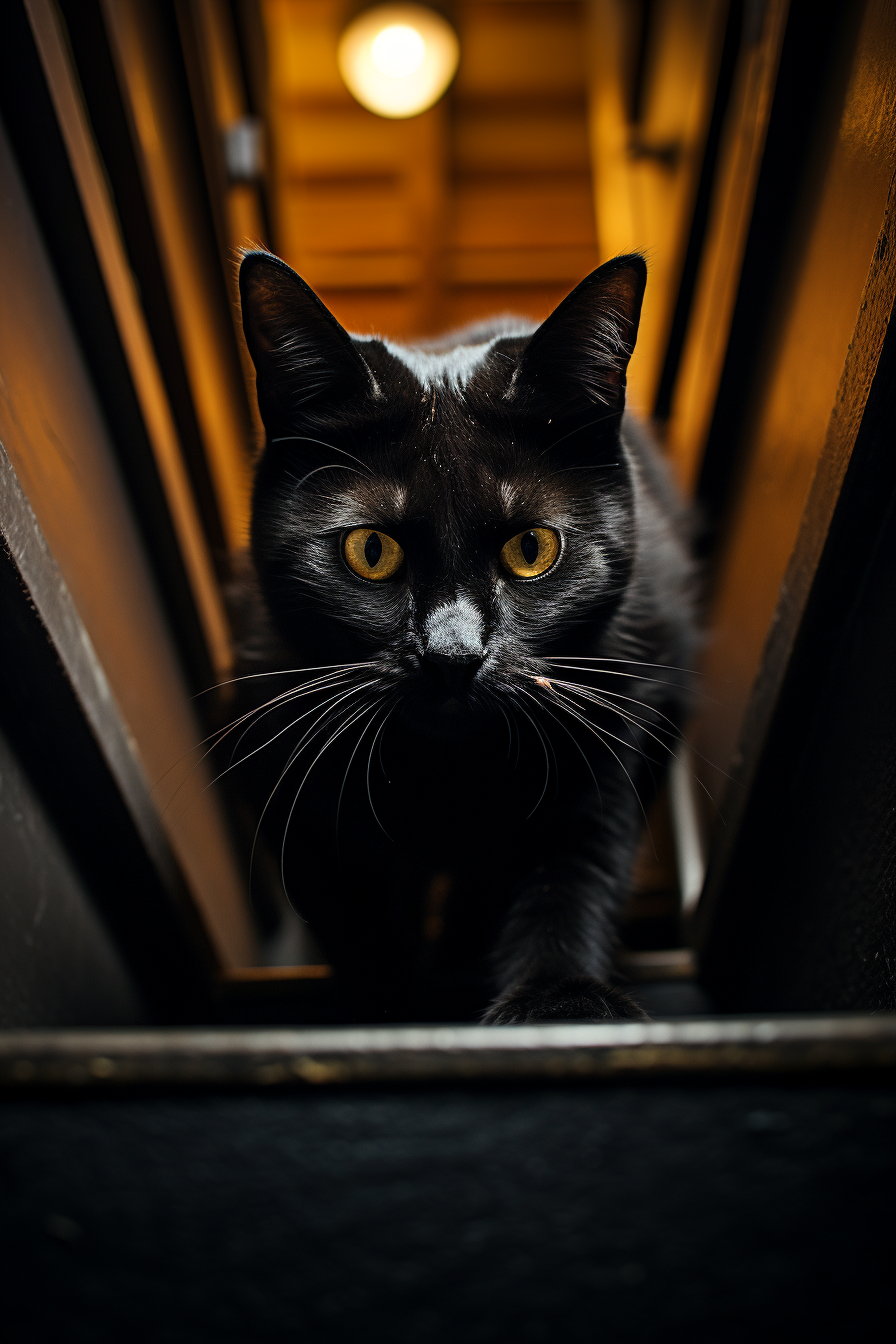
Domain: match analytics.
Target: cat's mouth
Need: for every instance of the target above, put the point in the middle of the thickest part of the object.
(440, 710)
(449, 702)
(452, 705)
(450, 680)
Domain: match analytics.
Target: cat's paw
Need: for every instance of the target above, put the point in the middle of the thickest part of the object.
(577, 999)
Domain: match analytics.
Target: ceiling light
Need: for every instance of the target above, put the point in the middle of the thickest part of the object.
(398, 60)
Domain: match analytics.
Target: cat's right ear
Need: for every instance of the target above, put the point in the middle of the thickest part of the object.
(577, 359)
(305, 362)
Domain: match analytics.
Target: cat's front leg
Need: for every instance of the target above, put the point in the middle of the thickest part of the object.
(574, 999)
(555, 954)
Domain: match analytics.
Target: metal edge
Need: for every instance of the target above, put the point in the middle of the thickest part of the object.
(253, 1057)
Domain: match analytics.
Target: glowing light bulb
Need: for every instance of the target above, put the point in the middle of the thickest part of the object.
(397, 51)
(398, 60)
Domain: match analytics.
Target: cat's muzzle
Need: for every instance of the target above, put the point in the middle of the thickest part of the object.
(451, 676)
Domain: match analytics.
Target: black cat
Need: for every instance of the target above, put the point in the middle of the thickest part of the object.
(476, 569)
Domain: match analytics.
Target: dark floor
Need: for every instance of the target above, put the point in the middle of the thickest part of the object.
(671, 998)
(458, 999)
(721, 1211)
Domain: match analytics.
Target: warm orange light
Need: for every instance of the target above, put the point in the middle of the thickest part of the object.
(398, 60)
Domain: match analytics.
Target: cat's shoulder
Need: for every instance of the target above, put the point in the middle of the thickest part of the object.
(653, 470)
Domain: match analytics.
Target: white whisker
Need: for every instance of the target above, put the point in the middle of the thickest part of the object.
(293, 757)
(377, 734)
(573, 713)
(571, 737)
(335, 679)
(281, 731)
(573, 688)
(629, 746)
(588, 692)
(547, 763)
(617, 695)
(278, 672)
(349, 766)
(303, 438)
(329, 742)
(627, 662)
(221, 734)
(610, 672)
(329, 466)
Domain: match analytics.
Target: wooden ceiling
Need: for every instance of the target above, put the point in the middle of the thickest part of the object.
(484, 204)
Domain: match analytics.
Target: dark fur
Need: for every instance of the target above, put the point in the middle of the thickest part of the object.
(484, 826)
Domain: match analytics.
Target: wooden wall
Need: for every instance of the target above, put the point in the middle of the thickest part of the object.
(482, 205)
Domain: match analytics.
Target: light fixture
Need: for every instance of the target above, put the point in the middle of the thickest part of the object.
(398, 60)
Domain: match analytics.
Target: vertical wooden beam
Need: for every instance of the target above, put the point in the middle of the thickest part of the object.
(832, 309)
(71, 531)
(204, 327)
(739, 161)
(646, 173)
(135, 338)
(219, 103)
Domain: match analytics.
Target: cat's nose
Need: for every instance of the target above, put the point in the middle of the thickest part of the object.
(453, 672)
(453, 646)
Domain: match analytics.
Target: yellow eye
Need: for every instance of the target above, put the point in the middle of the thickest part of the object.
(531, 553)
(372, 554)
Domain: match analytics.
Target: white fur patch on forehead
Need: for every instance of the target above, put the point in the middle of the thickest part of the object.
(452, 368)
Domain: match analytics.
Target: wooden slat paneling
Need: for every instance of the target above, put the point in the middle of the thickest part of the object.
(483, 204)
(521, 213)
(526, 50)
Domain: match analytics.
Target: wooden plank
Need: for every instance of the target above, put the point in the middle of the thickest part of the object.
(219, 98)
(197, 295)
(242, 975)
(720, 268)
(99, 211)
(521, 214)
(358, 270)
(472, 303)
(528, 140)
(611, 36)
(519, 266)
(382, 312)
(646, 175)
(79, 828)
(348, 217)
(53, 431)
(831, 323)
(531, 49)
(331, 143)
(302, 39)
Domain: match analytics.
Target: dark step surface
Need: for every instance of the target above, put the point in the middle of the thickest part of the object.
(448, 999)
(672, 998)
(713, 1210)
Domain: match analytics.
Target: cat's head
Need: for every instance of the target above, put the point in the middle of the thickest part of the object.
(448, 517)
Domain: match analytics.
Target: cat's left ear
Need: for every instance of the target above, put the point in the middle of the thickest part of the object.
(577, 359)
(305, 362)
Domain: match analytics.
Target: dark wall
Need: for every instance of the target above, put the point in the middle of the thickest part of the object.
(58, 965)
